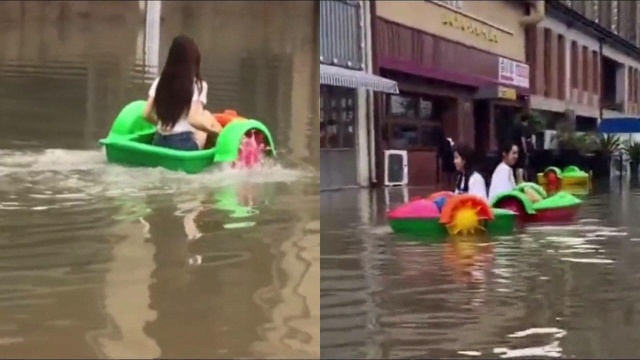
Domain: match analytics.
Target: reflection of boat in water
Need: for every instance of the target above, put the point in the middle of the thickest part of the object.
(469, 258)
(241, 202)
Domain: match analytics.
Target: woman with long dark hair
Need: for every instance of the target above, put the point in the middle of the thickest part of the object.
(468, 180)
(502, 179)
(177, 98)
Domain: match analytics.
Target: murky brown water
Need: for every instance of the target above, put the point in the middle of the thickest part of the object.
(100, 261)
(550, 291)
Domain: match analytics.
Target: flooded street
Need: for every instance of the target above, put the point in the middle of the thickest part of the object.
(101, 261)
(551, 291)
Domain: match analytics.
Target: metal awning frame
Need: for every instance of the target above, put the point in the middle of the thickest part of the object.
(338, 76)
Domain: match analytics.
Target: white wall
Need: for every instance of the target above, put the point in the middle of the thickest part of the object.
(540, 102)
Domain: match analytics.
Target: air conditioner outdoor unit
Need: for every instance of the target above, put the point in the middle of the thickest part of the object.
(550, 141)
(396, 168)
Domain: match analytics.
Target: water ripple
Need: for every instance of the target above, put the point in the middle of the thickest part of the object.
(384, 295)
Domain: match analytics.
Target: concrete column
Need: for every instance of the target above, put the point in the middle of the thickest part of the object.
(597, 73)
(368, 67)
(588, 61)
(630, 91)
(362, 133)
(552, 87)
(579, 63)
(636, 99)
(539, 62)
(573, 60)
(621, 84)
(562, 67)
(152, 37)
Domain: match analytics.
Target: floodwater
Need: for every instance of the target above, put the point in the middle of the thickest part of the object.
(101, 261)
(567, 291)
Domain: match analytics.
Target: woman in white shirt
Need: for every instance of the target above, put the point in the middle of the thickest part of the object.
(468, 181)
(176, 100)
(502, 179)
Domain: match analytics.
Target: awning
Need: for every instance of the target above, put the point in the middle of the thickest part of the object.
(337, 76)
(623, 125)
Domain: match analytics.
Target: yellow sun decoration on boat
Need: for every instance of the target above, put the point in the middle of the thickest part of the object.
(465, 221)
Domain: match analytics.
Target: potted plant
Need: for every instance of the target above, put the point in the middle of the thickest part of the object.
(632, 149)
(571, 148)
(605, 146)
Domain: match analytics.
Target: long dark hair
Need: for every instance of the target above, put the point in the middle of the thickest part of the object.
(506, 148)
(175, 87)
(470, 158)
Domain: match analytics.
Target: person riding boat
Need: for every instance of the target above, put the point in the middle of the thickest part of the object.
(177, 98)
(468, 180)
(503, 179)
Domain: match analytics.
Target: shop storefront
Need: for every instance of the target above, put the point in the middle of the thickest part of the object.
(461, 74)
(344, 77)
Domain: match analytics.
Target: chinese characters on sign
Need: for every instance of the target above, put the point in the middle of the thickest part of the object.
(513, 73)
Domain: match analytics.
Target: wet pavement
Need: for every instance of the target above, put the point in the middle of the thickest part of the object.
(549, 291)
(101, 261)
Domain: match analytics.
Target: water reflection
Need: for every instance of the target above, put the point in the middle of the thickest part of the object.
(545, 292)
(104, 261)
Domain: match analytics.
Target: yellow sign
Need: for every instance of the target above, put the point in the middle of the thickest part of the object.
(507, 93)
(459, 22)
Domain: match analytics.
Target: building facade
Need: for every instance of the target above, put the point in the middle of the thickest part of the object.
(461, 71)
(620, 17)
(585, 62)
(345, 78)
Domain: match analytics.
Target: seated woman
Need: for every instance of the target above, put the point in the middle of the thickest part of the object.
(468, 180)
(177, 98)
(502, 179)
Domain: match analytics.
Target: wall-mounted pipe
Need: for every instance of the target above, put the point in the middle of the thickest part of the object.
(536, 14)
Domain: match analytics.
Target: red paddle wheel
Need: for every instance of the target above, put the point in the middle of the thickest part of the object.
(252, 150)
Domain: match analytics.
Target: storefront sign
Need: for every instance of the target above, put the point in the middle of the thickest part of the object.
(513, 73)
(459, 22)
(507, 93)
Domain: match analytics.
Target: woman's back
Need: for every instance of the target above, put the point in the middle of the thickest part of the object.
(182, 124)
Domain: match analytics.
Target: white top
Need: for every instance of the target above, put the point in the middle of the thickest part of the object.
(183, 123)
(502, 181)
(477, 186)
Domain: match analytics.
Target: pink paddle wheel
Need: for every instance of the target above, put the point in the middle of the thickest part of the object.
(252, 150)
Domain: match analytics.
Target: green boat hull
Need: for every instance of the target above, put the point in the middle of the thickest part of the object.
(503, 223)
(129, 143)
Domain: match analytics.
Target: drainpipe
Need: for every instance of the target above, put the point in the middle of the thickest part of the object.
(536, 14)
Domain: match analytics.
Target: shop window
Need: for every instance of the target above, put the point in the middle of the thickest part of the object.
(413, 122)
(337, 117)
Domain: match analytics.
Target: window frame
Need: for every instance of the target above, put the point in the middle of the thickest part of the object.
(392, 121)
(338, 93)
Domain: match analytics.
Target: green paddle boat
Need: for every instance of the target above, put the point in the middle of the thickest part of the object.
(444, 213)
(571, 176)
(242, 143)
(532, 204)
